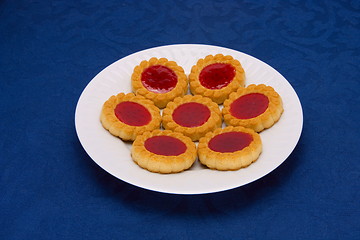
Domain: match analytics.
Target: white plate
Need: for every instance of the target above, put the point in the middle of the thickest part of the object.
(113, 155)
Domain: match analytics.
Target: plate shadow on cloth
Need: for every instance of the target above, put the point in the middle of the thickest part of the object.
(235, 200)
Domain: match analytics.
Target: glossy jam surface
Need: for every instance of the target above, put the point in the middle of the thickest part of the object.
(230, 142)
(159, 79)
(217, 75)
(249, 106)
(165, 145)
(191, 114)
(132, 113)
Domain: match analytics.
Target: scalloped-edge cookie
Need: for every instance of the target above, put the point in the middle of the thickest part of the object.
(164, 151)
(256, 106)
(192, 116)
(127, 116)
(230, 148)
(216, 77)
(159, 80)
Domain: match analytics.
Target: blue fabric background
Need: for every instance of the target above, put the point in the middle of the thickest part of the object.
(51, 189)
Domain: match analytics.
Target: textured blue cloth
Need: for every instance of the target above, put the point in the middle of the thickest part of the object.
(51, 189)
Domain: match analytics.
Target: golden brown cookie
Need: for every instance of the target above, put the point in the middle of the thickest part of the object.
(159, 80)
(127, 116)
(256, 106)
(230, 148)
(163, 151)
(192, 116)
(216, 77)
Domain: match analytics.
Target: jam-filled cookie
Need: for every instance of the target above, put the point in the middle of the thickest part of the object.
(127, 116)
(193, 116)
(159, 80)
(256, 106)
(230, 148)
(216, 77)
(163, 151)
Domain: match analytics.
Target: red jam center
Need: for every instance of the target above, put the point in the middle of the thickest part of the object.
(230, 142)
(159, 79)
(217, 75)
(132, 113)
(165, 145)
(191, 114)
(249, 106)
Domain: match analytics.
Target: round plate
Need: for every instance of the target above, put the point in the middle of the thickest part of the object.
(113, 155)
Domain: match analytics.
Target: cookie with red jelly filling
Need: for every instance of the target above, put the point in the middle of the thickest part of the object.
(159, 80)
(256, 106)
(192, 116)
(127, 115)
(164, 151)
(230, 148)
(216, 77)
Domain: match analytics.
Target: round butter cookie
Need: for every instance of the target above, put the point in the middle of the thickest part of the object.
(256, 106)
(163, 151)
(192, 116)
(159, 80)
(230, 148)
(216, 77)
(127, 115)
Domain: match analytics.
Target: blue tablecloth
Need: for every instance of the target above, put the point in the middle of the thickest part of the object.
(51, 189)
